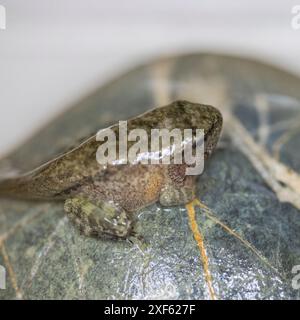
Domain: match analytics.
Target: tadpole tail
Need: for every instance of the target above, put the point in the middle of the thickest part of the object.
(19, 187)
(25, 187)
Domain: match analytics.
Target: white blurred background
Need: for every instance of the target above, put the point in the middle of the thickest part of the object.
(54, 51)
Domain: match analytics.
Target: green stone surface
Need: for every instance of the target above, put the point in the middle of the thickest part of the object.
(46, 257)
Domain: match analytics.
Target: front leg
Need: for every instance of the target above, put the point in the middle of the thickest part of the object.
(99, 218)
(179, 189)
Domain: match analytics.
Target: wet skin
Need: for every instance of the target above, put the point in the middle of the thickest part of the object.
(102, 199)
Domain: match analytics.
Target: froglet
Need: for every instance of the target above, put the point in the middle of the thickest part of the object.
(102, 199)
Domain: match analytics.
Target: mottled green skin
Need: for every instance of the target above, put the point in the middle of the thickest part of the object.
(101, 199)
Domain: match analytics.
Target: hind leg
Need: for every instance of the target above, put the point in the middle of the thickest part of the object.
(98, 218)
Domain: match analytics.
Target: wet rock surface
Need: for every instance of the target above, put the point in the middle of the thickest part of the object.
(250, 236)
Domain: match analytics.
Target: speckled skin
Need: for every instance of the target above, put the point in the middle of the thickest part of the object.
(102, 200)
